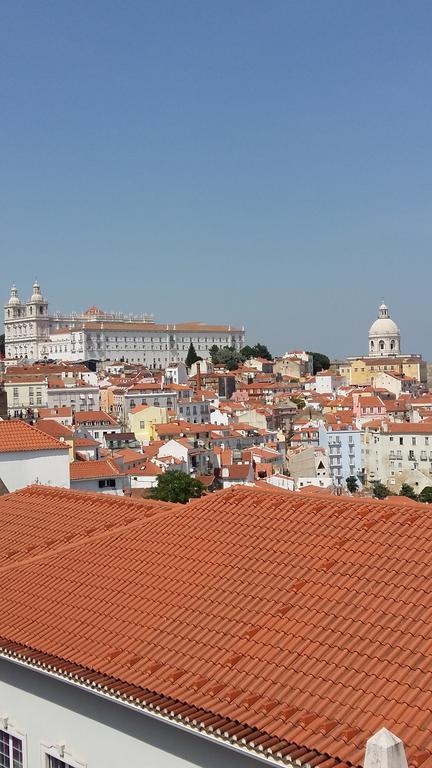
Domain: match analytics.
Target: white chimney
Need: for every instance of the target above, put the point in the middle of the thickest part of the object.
(385, 750)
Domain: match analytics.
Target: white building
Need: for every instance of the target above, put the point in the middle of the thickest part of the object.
(327, 382)
(30, 331)
(29, 456)
(384, 335)
(100, 476)
(397, 453)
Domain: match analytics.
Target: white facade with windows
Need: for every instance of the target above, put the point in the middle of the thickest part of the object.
(30, 331)
(399, 453)
(343, 447)
(26, 395)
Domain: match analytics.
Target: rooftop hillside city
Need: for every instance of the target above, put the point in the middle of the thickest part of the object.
(198, 533)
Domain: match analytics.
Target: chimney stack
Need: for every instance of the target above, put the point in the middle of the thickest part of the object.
(198, 365)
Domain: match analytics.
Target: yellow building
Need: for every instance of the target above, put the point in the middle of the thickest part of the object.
(142, 420)
(364, 371)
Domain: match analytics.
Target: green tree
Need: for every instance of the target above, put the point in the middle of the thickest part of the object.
(247, 352)
(259, 350)
(214, 352)
(425, 495)
(2, 345)
(352, 484)
(320, 362)
(380, 491)
(408, 491)
(178, 487)
(191, 356)
(227, 356)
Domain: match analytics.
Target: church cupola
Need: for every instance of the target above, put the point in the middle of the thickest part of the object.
(14, 298)
(37, 305)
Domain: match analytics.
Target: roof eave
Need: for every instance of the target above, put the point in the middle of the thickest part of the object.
(151, 711)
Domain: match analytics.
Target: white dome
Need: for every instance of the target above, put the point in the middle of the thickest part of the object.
(384, 335)
(384, 326)
(36, 295)
(14, 300)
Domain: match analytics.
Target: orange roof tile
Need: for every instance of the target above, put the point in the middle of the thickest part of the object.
(302, 617)
(81, 417)
(89, 470)
(17, 435)
(39, 519)
(54, 428)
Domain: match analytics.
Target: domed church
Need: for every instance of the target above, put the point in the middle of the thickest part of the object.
(384, 335)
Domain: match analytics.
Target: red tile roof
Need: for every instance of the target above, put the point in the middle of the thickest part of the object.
(51, 413)
(89, 470)
(88, 417)
(306, 618)
(54, 428)
(17, 435)
(38, 519)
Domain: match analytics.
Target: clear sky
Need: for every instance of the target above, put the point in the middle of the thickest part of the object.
(259, 162)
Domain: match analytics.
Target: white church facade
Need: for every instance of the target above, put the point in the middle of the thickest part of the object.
(32, 332)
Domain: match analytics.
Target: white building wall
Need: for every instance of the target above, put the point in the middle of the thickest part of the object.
(22, 468)
(92, 484)
(97, 733)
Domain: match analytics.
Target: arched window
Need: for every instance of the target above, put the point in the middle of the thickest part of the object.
(372, 345)
(392, 344)
(381, 345)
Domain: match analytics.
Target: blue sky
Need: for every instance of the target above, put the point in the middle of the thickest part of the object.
(265, 163)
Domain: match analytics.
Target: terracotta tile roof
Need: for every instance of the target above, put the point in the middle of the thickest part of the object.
(17, 435)
(235, 471)
(147, 470)
(38, 519)
(93, 469)
(81, 417)
(410, 428)
(150, 327)
(54, 428)
(85, 442)
(51, 413)
(303, 618)
(128, 455)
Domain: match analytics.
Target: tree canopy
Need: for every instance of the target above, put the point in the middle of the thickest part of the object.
(191, 356)
(259, 350)
(425, 495)
(177, 487)
(320, 362)
(408, 491)
(228, 356)
(232, 358)
(2, 345)
(380, 491)
(352, 483)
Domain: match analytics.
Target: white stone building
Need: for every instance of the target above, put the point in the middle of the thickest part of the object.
(384, 335)
(31, 332)
(397, 453)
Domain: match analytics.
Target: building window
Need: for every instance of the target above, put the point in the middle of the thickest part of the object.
(11, 751)
(54, 762)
